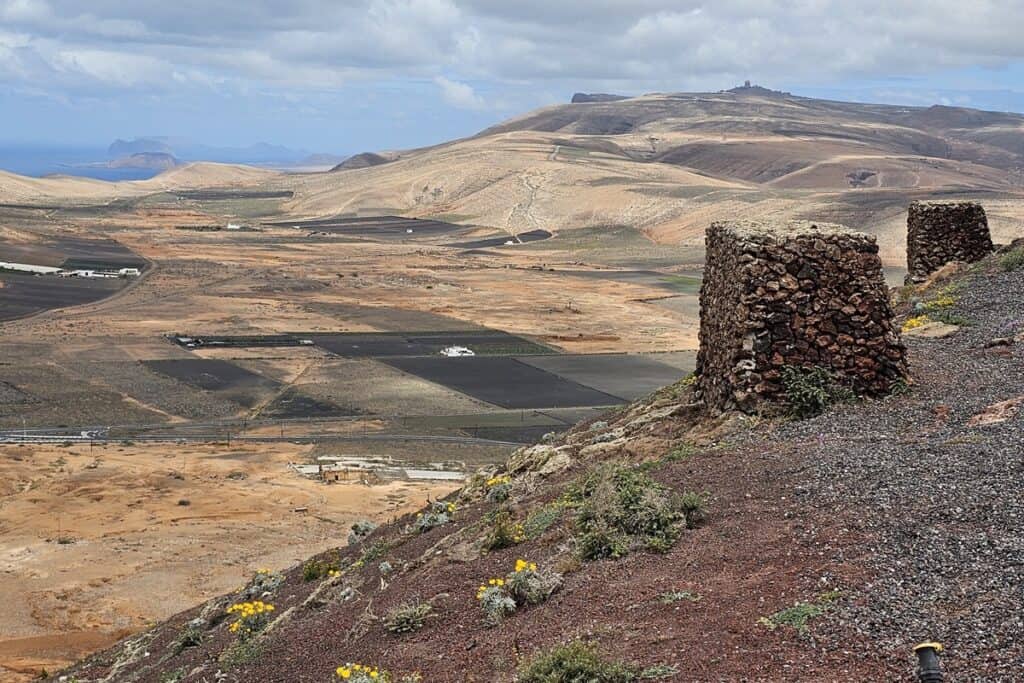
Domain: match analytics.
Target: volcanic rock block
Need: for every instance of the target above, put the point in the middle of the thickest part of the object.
(792, 294)
(941, 232)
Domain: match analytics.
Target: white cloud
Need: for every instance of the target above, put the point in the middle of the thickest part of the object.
(632, 45)
(459, 95)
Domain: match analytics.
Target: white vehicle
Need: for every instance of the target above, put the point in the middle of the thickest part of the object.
(457, 352)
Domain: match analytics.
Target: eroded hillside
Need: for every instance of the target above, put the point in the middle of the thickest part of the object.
(668, 164)
(682, 548)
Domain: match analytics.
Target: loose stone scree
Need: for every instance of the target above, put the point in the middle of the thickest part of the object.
(792, 294)
(941, 232)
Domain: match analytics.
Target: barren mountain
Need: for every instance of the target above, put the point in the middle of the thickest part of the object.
(667, 164)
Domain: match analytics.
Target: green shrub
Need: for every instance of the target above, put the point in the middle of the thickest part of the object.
(541, 519)
(191, 636)
(408, 617)
(360, 530)
(317, 569)
(576, 662)
(619, 507)
(677, 454)
(602, 542)
(949, 317)
(438, 513)
(800, 614)
(659, 671)
(372, 552)
(672, 597)
(263, 584)
(529, 585)
(240, 653)
(505, 532)
(811, 390)
(694, 507)
(1012, 260)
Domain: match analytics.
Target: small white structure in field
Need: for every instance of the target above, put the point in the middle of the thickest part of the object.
(98, 274)
(408, 231)
(509, 243)
(129, 272)
(28, 268)
(234, 226)
(457, 352)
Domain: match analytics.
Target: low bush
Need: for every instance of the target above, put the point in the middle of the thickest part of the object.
(250, 618)
(531, 586)
(241, 653)
(437, 514)
(495, 601)
(799, 615)
(263, 584)
(672, 597)
(360, 530)
(318, 569)
(694, 508)
(191, 636)
(361, 673)
(498, 489)
(525, 585)
(576, 662)
(408, 617)
(1012, 260)
(812, 390)
(619, 507)
(541, 519)
(504, 532)
(372, 552)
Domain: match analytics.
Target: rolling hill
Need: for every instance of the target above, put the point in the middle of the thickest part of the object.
(667, 164)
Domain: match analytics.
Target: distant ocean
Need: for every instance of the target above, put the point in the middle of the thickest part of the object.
(77, 161)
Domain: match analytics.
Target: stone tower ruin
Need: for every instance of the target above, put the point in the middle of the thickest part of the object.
(792, 294)
(940, 232)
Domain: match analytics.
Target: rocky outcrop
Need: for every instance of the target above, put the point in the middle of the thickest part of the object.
(362, 160)
(798, 294)
(941, 232)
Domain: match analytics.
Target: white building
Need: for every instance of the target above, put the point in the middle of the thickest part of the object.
(29, 268)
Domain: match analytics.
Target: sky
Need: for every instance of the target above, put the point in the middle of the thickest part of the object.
(343, 76)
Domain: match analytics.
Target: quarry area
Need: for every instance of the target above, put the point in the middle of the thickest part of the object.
(750, 308)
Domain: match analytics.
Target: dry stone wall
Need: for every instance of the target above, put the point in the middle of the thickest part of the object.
(940, 232)
(793, 294)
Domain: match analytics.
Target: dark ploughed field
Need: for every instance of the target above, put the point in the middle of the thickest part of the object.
(22, 294)
(384, 344)
(375, 227)
(502, 381)
(238, 384)
(627, 377)
(531, 236)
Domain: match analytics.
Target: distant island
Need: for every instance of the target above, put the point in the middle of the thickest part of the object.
(156, 161)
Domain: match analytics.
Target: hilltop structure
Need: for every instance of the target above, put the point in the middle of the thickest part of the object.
(941, 232)
(792, 295)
